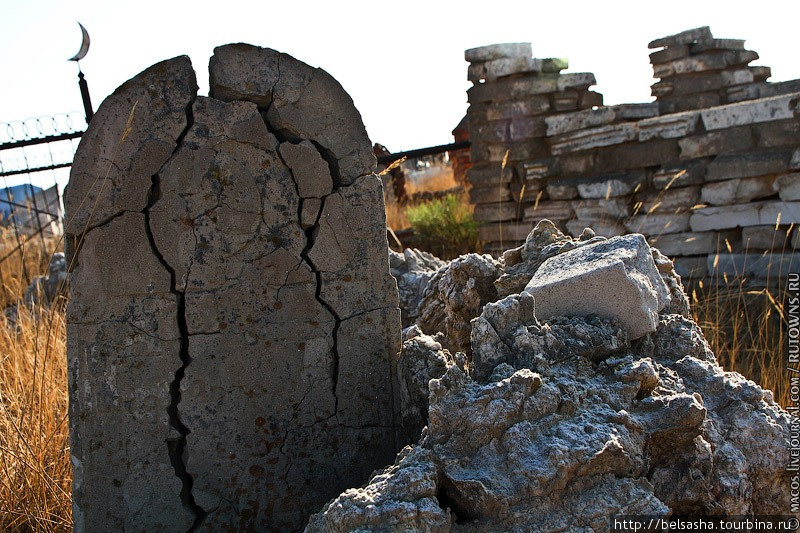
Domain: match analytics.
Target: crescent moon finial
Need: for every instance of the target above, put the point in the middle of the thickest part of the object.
(84, 45)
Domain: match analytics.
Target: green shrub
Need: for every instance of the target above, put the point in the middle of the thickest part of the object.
(444, 226)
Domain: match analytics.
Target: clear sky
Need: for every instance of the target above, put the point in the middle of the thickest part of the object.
(402, 62)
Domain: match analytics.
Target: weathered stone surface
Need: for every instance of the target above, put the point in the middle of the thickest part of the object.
(544, 241)
(578, 283)
(413, 270)
(488, 174)
(509, 89)
(487, 195)
(561, 191)
(614, 208)
(455, 295)
(593, 138)
(726, 167)
(498, 51)
(422, 358)
(496, 212)
(507, 447)
(653, 224)
(119, 328)
(568, 122)
(743, 215)
(603, 227)
(695, 267)
(685, 37)
(551, 209)
(302, 103)
(505, 66)
(674, 176)
(732, 140)
(132, 137)
(737, 191)
(310, 172)
(674, 200)
(692, 243)
(232, 337)
(765, 238)
(668, 127)
(704, 62)
(576, 80)
(788, 186)
(611, 185)
(753, 112)
(535, 105)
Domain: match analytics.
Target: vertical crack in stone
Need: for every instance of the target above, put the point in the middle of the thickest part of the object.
(311, 234)
(176, 447)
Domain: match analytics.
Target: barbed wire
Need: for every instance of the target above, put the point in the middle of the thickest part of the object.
(41, 127)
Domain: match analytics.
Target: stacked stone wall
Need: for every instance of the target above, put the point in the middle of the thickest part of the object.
(717, 187)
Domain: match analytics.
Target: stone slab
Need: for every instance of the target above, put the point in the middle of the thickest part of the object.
(549, 209)
(767, 213)
(569, 122)
(498, 51)
(749, 112)
(750, 164)
(684, 37)
(561, 191)
(506, 66)
(673, 200)
(497, 211)
(668, 127)
(614, 279)
(788, 186)
(512, 89)
(732, 140)
(613, 208)
(603, 227)
(658, 224)
(576, 80)
(765, 237)
(703, 63)
(691, 268)
(738, 191)
(612, 185)
(675, 176)
(486, 195)
(693, 243)
(593, 138)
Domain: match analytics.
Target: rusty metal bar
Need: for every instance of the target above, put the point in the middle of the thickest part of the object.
(32, 170)
(42, 140)
(420, 152)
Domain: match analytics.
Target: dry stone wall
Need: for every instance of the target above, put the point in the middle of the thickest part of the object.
(233, 324)
(715, 186)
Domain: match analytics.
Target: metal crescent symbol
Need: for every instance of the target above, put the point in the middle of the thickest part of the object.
(84, 45)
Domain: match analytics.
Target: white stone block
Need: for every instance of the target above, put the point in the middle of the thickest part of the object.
(614, 279)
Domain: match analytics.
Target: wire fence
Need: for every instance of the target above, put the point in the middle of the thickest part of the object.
(35, 157)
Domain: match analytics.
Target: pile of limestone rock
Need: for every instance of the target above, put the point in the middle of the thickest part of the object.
(561, 386)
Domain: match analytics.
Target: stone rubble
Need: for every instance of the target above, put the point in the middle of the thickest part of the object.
(560, 424)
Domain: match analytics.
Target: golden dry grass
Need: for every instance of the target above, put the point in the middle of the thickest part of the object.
(35, 472)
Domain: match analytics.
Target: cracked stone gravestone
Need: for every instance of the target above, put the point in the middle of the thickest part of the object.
(233, 325)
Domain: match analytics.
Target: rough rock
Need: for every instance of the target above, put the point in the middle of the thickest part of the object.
(614, 279)
(413, 270)
(543, 242)
(575, 424)
(301, 102)
(233, 326)
(422, 358)
(455, 295)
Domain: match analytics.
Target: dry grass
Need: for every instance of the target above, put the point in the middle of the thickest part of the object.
(35, 472)
(746, 329)
(438, 179)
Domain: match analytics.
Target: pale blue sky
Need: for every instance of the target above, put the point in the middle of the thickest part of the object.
(402, 63)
